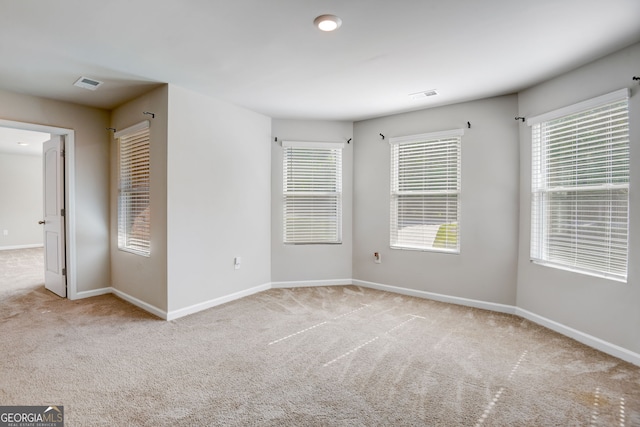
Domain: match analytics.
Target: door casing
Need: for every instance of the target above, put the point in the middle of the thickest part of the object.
(69, 192)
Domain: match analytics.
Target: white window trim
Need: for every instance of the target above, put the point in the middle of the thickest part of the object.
(314, 144)
(426, 136)
(132, 129)
(408, 139)
(325, 145)
(589, 104)
(138, 127)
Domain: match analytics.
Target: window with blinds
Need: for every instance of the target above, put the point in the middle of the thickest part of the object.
(312, 192)
(133, 189)
(425, 191)
(580, 187)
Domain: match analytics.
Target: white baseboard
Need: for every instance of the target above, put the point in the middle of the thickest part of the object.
(139, 303)
(10, 248)
(92, 293)
(311, 283)
(175, 314)
(591, 341)
(501, 308)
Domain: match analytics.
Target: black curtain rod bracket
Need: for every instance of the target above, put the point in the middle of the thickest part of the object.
(382, 136)
(349, 141)
(636, 78)
(148, 113)
(520, 118)
(111, 129)
(468, 125)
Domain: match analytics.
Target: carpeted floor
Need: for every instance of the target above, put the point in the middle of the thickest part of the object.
(326, 356)
(21, 269)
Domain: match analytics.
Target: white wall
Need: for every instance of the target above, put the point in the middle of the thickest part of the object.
(140, 277)
(606, 309)
(485, 269)
(296, 263)
(92, 176)
(20, 200)
(218, 199)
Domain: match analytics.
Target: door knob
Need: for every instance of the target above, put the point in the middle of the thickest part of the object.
(40, 222)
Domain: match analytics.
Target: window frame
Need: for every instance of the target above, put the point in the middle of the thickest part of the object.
(310, 203)
(544, 206)
(441, 137)
(130, 215)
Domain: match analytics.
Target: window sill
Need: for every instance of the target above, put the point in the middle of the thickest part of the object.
(132, 251)
(312, 243)
(579, 271)
(440, 251)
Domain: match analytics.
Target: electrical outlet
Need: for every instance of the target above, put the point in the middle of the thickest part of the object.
(377, 258)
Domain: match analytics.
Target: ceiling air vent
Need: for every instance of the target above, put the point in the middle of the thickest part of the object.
(88, 83)
(422, 95)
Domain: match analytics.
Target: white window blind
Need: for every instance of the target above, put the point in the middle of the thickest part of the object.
(580, 187)
(425, 191)
(133, 189)
(312, 192)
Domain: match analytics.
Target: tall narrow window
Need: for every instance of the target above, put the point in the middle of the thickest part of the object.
(580, 187)
(133, 189)
(312, 192)
(425, 191)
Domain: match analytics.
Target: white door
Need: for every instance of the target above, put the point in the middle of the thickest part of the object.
(53, 175)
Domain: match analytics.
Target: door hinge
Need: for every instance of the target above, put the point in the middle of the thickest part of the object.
(64, 271)
(61, 212)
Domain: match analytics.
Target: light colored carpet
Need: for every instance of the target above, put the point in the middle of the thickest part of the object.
(327, 356)
(21, 269)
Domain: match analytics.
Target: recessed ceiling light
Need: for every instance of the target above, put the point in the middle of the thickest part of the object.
(23, 144)
(87, 83)
(422, 95)
(327, 22)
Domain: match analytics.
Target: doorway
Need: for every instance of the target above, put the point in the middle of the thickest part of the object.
(68, 201)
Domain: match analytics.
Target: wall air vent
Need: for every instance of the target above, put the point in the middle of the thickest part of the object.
(422, 95)
(88, 83)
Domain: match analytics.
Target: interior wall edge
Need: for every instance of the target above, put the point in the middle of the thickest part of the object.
(140, 304)
(175, 314)
(310, 283)
(586, 339)
(10, 248)
(492, 306)
(92, 293)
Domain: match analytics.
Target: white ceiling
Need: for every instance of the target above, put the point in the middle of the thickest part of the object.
(267, 56)
(9, 139)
